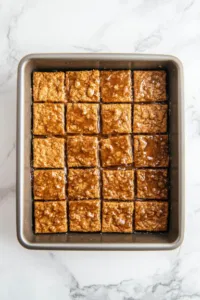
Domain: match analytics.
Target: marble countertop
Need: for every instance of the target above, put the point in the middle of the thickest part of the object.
(143, 26)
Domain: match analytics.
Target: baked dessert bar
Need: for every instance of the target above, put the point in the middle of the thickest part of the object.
(48, 119)
(151, 151)
(150, 118)
(49, 184)
(117, 217)
(50, 217)
(48, 87)
(84, 215)
(116, 86)
(82, 151)
(116, 151)
(83, 86)
(149, 86)
(83, 183)
(48, 152)
(152, 184)
(116, 118)
(151, 216)
(118, 184)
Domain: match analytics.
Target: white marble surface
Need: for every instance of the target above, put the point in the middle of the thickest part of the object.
(147, 26)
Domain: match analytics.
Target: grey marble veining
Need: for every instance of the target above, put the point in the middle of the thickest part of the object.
(147, 26)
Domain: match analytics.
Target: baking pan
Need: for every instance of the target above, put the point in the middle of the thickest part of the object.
(97, 241)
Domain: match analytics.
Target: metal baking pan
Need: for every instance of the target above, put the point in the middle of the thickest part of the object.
(96, 241)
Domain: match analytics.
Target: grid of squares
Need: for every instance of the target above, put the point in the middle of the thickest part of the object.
(100, 151)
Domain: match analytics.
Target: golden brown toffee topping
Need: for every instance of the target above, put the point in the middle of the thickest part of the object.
(83, 184)
(116, 118)
(82, 151)
(118, 184)
(83, 86)
(48, 86)
(48, 152)
(48, 119)
(151, 216)
(149, 86)
(151, 151)
(85, 215)
(100, 151)
(49, 184)
(82, 118)
(116, 86)
(50, 217)
(150, 118)
(116, 151)
(152, 184)
(117, 217)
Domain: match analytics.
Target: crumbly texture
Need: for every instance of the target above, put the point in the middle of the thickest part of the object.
(116, 86)
(84, 216)
(48, 86)
(151, 216)
(117, 217)
(150, 118)
(83, 184)
(149, 86)
(83, 86)
(151, 151)
(152, 184)
(50, 217)
(48, 152)
(116, 118)
(118, 184)
(82, 118)
(119, 117)
(82, 151)
(116, 151)
(49, 185)
(48, 119)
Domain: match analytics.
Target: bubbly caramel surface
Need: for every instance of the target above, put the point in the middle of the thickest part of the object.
(49, 184)
(48, 152)
(150, 118)
(100, 149)
(149, 86)
(82, 118)
(152, 184)
(116, 86)
(116, 118)
(48, 119)
(50, 217)
(116, 151)
(83, 184)
(48, 86)
(118, 184)
(151, 151)
(117, 217)
(83, 86)
(151, 216)
(84, 215)
(82, 151)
